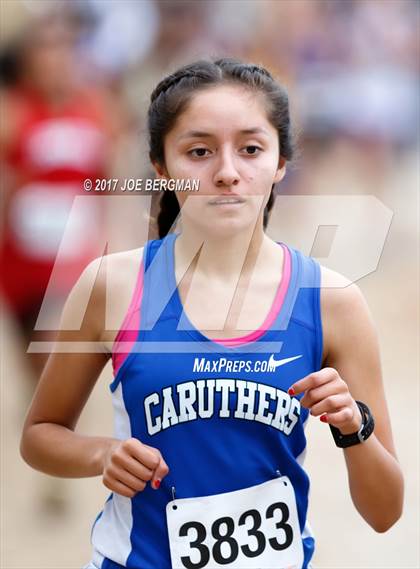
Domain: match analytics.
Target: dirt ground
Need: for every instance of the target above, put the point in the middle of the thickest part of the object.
(36, 537)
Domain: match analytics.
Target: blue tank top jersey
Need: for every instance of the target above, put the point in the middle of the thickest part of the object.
(220, 416)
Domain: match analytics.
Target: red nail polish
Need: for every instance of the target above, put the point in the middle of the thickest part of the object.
(324, 418)
(291, 391)
(157, 483)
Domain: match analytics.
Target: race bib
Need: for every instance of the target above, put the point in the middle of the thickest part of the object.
(253, 528)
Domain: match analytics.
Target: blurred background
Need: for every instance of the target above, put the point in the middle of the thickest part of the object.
(75, 78)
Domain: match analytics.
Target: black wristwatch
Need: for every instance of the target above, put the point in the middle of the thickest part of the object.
(360, 436)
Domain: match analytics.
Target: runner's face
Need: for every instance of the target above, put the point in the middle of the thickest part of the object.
(225, 140)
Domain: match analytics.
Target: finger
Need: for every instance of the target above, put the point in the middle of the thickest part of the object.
(341, 417)
(118, 487)
(330, 405)
(159, 474)
(146, 455)
(344, 418)
(317, 394)
(128, 479)
(122, 459)
(135, 467)
(312, 380)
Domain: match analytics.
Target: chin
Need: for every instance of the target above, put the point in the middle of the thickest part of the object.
(227, 227)
(226, 224)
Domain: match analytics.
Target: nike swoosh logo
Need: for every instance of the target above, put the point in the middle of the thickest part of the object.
(273, 364)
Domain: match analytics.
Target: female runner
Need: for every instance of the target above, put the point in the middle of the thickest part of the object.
(227, 342)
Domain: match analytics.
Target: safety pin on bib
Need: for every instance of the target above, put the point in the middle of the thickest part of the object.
(174, 506)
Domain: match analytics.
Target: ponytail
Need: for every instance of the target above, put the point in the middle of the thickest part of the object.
(168, 212)
(269, 207)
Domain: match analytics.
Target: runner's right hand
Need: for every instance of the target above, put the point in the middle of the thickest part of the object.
(128, 466)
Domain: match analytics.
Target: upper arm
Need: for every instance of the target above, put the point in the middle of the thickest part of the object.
(68, 378)
(353, 350)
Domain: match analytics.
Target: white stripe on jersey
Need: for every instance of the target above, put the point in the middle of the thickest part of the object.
(111, 533)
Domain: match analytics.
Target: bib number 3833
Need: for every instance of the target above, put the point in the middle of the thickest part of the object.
(247, 529)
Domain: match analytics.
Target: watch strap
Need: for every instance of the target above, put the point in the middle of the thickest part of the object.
(360, 436)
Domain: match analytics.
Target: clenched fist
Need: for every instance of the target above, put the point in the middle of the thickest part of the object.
(128, 466)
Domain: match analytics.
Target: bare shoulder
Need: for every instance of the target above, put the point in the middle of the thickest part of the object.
(343, 309)
(338, 292)
(102, 296)
(83, 322)
(119, 278)
(123, 262)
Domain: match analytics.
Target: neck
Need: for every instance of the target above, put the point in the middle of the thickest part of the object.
(221, 257)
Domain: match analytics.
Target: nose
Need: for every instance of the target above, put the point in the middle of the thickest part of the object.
(226, 173)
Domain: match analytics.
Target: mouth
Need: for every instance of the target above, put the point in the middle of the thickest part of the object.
(234, 200)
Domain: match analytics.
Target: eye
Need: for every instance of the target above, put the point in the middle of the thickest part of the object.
(198, 152)
(253, 149)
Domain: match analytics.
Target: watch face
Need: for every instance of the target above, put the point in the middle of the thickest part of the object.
(368, 422)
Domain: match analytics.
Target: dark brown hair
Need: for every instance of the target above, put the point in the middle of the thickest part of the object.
(172, 95)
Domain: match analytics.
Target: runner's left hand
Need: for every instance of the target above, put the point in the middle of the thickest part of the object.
(327, 394)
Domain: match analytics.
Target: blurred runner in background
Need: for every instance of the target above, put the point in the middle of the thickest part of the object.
(56, 131)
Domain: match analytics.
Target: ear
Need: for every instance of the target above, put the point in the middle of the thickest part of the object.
(160, 170)
(281, 170)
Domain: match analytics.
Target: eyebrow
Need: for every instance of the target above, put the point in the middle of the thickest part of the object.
(202, 134)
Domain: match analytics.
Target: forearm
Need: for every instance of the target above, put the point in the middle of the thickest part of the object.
(376, 483)
(59, 451)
